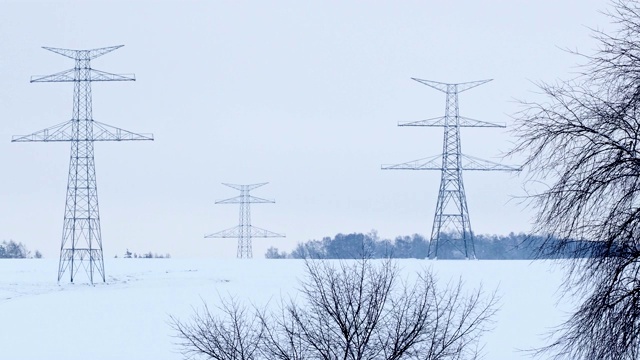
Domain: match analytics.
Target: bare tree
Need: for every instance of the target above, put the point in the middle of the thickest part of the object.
(583, 143)
(226, 333)
(355, 310)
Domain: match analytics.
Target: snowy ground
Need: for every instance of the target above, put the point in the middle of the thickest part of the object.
(127, 318)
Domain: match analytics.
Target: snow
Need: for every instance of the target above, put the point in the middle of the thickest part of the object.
(128, 316)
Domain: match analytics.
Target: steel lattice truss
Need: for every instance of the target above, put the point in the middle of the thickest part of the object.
(81, 237)
(244, 232)
(452, 214)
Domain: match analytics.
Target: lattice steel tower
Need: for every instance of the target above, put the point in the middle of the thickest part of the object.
(81, 238)
(452, 214)
(244, 231)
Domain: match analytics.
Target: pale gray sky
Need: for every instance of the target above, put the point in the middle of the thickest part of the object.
(303, 94)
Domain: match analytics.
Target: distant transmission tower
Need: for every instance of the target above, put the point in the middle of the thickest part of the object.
(245, 231)
(452, 214)
(81, 238)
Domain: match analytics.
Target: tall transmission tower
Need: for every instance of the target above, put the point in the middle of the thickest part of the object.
(244, 232)
(81, 237)
(452, 213)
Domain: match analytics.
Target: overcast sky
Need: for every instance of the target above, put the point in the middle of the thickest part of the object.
(305, 95)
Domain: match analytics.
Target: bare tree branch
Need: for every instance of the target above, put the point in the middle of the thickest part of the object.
(350, 310)
(228, 334)
(584, 143)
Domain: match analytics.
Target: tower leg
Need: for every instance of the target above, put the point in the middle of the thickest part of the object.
(244, 236)
(452, 214)
(81, 237)
(451, 224)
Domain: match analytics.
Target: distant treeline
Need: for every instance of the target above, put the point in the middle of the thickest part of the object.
(348, 246)
(150, 255)
(13, 250)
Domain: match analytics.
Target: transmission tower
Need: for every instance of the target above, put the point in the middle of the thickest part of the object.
(81, 238)
(452, 214)
(244, 232)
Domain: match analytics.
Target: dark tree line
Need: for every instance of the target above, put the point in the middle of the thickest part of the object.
(150, 255)
(13, 250)
(488, 247)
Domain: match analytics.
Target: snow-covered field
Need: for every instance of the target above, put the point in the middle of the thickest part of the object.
(127, 318)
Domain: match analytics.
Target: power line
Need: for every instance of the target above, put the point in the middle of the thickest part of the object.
(452, 215)
(81, 236)
(244, 232)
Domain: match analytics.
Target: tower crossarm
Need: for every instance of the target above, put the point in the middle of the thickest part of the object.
(245, 199)
(254, 232)
(98, 75)
(64, 132)
(71, 75)
(449, 88)
(62, 76)
(83, 54)
(430, 163)
(60, 132)
(463, 122)
(233, 232)
(257, 232)
(104, 132)
(244, 187)
(473, 163)
(468, 163)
